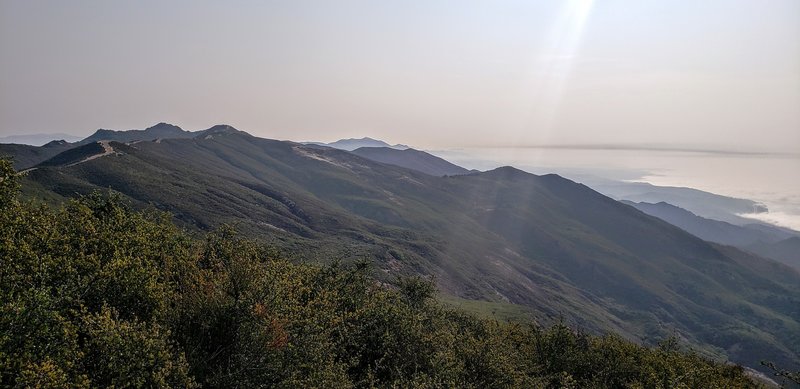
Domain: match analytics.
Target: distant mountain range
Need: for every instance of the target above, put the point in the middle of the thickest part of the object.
(705, 204)
(352, 144)
(546, 243)
(713, 230)
(777, 243)
(38, 139)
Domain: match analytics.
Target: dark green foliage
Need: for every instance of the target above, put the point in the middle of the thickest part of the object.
(129, 353)
(96, 295)
(85, 292)
(9, 183)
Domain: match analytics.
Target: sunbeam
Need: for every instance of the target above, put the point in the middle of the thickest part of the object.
(557, 61)
(549, 76)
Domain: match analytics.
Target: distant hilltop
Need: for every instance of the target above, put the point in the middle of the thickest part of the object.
(353, 143)
(38, 139)
(159, 131)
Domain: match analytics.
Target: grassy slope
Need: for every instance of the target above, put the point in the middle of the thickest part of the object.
(502, 236)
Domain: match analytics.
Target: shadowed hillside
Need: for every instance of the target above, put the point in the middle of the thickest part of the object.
(25, 156)
(786, 251)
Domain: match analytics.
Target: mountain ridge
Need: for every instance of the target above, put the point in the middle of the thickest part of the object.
(27, 156)
(701, 203)
(710, 229)
(411, 159)
(160, 130)
(38, 139)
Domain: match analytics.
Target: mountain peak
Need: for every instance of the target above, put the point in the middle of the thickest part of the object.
(54, 143)
(508, 171)
(223, 128)
(351, 144)
(163, 126)
(219, 129)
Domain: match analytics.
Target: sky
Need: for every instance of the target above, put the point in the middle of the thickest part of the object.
(711, 74)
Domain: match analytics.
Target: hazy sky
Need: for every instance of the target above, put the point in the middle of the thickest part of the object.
(720, 74)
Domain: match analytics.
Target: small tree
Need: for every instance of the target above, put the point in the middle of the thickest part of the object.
(9, 183)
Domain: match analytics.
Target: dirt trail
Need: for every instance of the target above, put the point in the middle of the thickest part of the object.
(107, 150)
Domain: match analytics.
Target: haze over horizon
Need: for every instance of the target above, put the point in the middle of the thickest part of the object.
(718, 75)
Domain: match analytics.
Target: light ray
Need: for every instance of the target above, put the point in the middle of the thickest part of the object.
(556, 64)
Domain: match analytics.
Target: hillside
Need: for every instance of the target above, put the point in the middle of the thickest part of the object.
(411, 159)
(786, 251)
(505, 235)
(25, 156)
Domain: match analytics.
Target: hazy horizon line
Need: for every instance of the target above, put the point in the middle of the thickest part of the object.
(640, 147)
